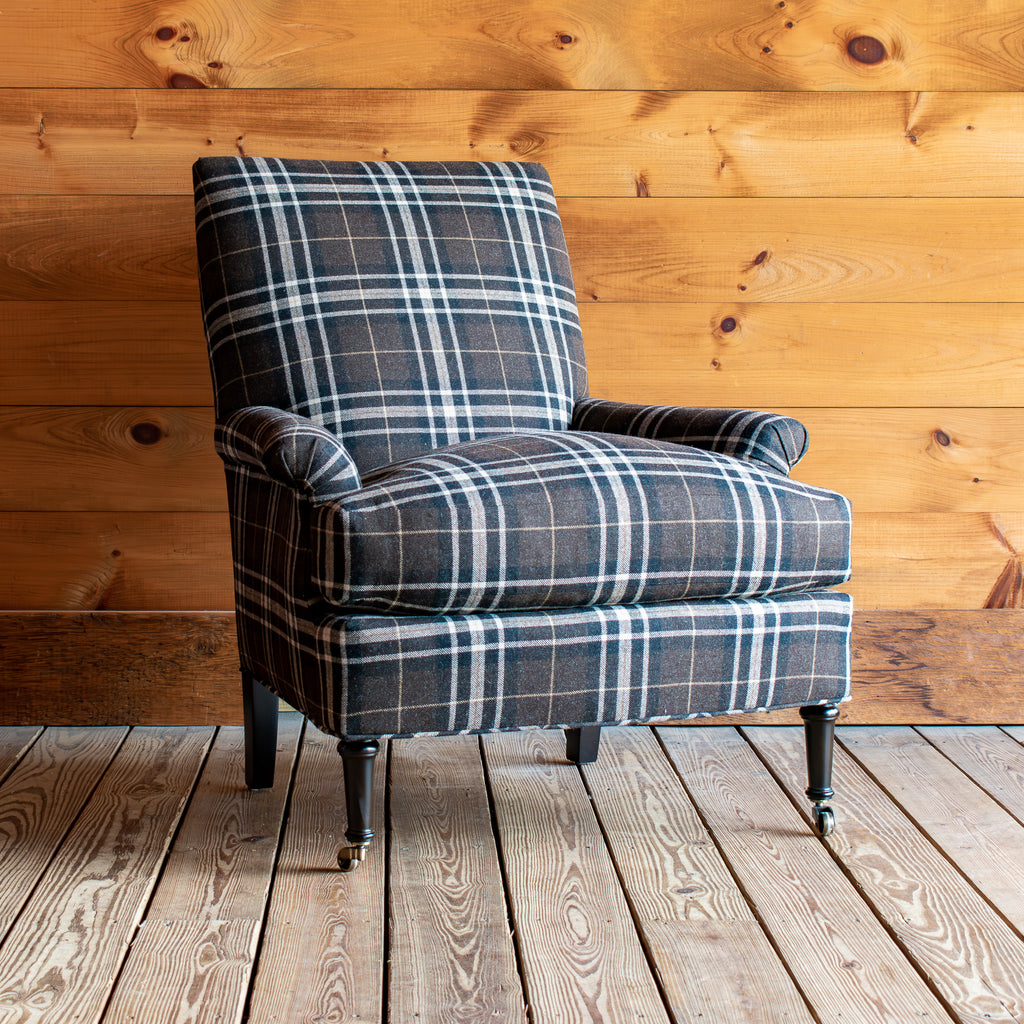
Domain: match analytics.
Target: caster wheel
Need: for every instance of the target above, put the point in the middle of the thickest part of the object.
(824, 821)
(350, 857)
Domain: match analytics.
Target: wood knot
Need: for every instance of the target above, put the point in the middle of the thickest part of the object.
(728, 325)
(942, 438)
(181, 81)
(760, 257)
(146, 433)
(564, 39)
(642, 190)
(166, 33)
(866, 50)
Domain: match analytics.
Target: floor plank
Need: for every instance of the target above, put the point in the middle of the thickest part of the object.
(687, 905)
(40, 800)
(841, 957)
(934, 911)
(323, 947)
(582, 960)
(994, 759)
(203, 925)
(61, 957)
(981, 838)
(452, 957)
(14, 742)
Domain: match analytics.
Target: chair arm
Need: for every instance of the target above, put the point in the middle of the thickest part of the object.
(290, 449)
(778, 442)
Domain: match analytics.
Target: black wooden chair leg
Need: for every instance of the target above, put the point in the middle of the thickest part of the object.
(819, 734)
(358, 757)
(581, 745)
(259, 710)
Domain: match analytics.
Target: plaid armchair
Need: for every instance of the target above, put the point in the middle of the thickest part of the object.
(436, 530)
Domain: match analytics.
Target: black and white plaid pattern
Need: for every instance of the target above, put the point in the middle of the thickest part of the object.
(566, 519)
(477, 673)
(365, 314)
(405, 307)
(778, 442)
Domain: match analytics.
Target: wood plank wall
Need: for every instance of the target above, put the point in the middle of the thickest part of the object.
(813, 206)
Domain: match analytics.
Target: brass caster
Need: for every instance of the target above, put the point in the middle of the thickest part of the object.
(350, 857)
(824, 820)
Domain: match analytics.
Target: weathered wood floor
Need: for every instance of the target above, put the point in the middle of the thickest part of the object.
(676, 879)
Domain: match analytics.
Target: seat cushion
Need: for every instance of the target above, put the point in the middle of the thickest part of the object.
(562, 519)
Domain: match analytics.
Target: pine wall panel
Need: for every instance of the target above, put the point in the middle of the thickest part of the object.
(808, 206)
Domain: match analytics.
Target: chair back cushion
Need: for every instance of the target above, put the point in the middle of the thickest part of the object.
(404, 306)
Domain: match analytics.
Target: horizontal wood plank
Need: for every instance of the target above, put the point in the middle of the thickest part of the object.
(747, 355)
(654, 250)
(181, 561)
(119, 561)
(177, 668)
(102, 458)
(595, 143)
(485, 44)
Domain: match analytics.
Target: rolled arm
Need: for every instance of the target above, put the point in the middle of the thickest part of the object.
(290, 449)
(778, 442)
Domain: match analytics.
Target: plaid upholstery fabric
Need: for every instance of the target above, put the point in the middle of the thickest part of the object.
(289, 449)
(362, 316)
(568, 519)
(404, 307)
(778, 442)
(477, 673)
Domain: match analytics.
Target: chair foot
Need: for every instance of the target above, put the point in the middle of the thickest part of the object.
(358, 758)
(819, 733)
(582, 745)
(259, 712)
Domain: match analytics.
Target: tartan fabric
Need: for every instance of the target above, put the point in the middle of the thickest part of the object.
(289, 449)
(404, 307)
(568, 519)
(478, 673)
(778, 442)
(381, 336)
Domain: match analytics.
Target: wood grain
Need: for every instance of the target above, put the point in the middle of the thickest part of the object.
(72, 935)
(153, 561)
(762, 355)
(39, 802)
(114, 668)
(971, 829)
(924, 901)
(452, 957)
(595, 143)
(839, 953)
(91, 458)
(687, 907)
(799, 354)
(659, 250)
(103, 353)
(118, 560)
(989, 756)
(81, 458)
(15, 742)
(177, 668)
(202, 928)
(323, 949)
(581, 958)
(484, 44)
